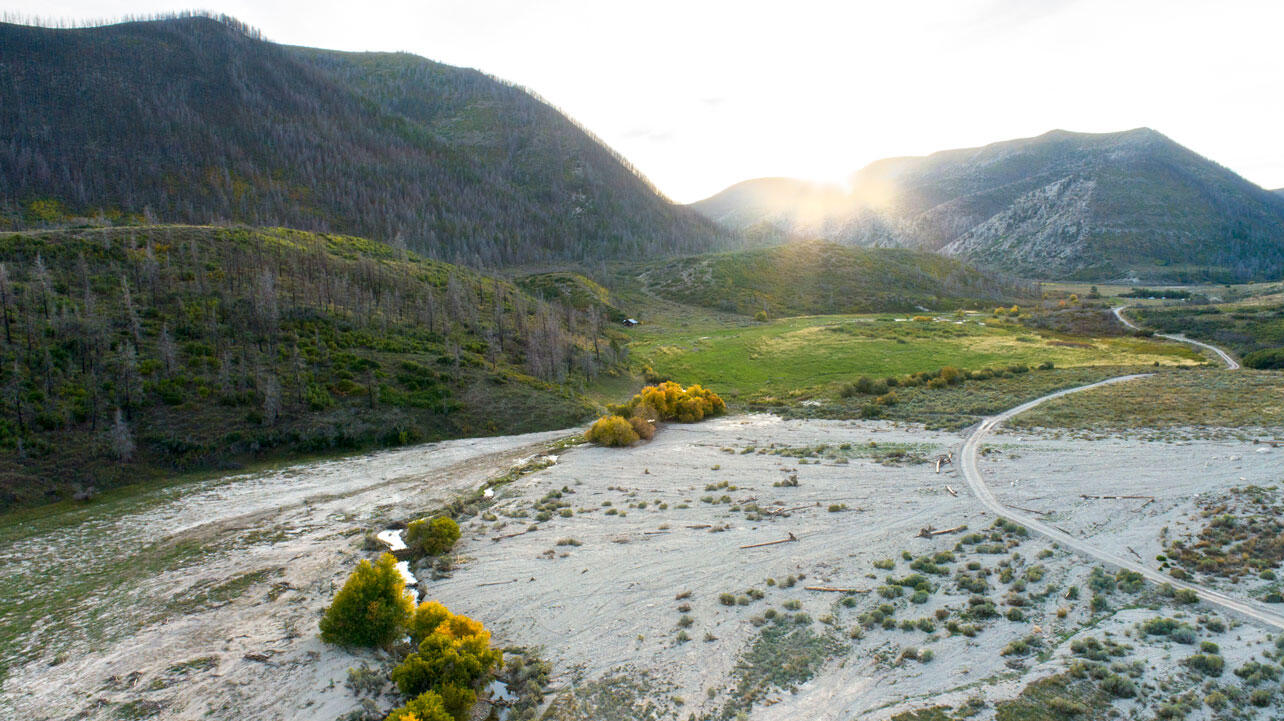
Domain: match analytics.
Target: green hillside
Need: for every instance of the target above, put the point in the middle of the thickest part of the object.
(132, 353)
(574, 290)
(815, 278)
(198, 120)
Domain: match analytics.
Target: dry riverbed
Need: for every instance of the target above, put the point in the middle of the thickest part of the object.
(648, 577)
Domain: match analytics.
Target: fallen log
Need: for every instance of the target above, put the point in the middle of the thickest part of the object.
(496, 583)
(928, 532)
(1117, 498)
(833, 589)
(779, 511)
(952, 492)
(791, 538)
(701, 525)
(1029, 510)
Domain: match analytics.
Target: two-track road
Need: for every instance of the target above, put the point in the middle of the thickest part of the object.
(1231, 363)
(972, 474)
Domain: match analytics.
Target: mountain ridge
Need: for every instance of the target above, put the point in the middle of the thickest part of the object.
(196, 120)
(1062, 204)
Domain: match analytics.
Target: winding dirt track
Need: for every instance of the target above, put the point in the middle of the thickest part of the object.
(972, 474)
(1231, 363)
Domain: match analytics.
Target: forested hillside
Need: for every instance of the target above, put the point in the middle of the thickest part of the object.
(808, 278)
(1061, 205)
(131, 352)
(198, 120)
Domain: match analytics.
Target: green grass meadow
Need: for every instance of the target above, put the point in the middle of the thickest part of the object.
(811, 355)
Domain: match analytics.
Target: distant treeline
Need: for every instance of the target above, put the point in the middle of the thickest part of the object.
(1169, 293)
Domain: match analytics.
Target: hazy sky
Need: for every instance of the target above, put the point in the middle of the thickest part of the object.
(699, 95)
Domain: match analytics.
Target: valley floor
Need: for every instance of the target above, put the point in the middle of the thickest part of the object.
(635, 583)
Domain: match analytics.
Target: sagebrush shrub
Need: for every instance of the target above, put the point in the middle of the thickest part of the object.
(432, 537)
(371, 607)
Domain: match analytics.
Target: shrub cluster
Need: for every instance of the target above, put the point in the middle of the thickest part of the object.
(613, 431)
(453, 654)
(667, 401)
(1267, 359)
(371, 607)
(940, 378)
(431, 537)
(453, 657)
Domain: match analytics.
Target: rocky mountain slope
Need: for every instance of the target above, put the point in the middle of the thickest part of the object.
(1133, 204)
(199, 120)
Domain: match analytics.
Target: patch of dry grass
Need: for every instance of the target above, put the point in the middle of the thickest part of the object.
(1203, 398)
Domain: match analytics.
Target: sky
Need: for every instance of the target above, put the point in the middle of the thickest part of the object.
(699, 95)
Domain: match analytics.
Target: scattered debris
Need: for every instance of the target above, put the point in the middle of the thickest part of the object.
(947, 459)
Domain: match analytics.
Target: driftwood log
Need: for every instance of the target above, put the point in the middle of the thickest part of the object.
(779, 511)
(791, 539)
(944, 460)
(1117, 498)
(928, 532)
(1029, 510)
(834, 589)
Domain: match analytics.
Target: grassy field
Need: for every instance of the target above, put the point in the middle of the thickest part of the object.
(952, 407)
(1194, 399)
(1245, 292)
(807, 357)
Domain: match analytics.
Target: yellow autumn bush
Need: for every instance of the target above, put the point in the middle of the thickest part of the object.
(669, 401)
(611, 431)
(453, 655)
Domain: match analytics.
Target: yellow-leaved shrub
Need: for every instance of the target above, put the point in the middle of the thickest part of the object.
(611, 431)
(371, 607)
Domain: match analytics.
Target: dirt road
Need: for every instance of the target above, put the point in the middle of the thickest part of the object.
(976, 482)
(1231, 363)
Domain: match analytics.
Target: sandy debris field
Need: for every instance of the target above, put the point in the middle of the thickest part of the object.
(599, 558)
